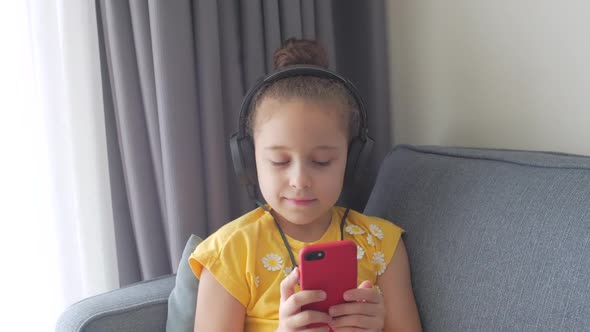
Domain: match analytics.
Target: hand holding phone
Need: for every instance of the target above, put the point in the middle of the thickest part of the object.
(291, 315)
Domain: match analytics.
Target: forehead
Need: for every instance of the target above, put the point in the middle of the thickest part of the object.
(297, 121)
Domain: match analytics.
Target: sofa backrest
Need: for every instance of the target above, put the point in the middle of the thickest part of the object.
(498, 240)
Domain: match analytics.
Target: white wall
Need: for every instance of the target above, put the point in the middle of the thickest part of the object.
(504, 73)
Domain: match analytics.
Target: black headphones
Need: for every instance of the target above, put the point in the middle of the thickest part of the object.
(242, 146)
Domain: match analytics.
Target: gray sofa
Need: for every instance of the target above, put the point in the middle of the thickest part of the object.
(498, 240)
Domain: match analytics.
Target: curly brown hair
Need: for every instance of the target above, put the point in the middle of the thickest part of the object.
(306, 52)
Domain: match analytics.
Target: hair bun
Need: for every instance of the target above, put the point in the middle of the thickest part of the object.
(300, 52)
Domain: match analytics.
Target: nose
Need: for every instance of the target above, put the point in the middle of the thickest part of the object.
(299, 177)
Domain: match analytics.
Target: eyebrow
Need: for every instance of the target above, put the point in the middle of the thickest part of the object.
(282, 147)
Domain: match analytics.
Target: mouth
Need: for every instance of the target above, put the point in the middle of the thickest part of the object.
(301, 201)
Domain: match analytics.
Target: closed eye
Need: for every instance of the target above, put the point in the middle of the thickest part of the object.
(322, 163)
(278, 163)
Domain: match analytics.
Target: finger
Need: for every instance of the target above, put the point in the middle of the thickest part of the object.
(350, 329)
(287, 286)
(366, 284)
(370, 295)
(318, 329)
(357, 322)
(356, 308)
(294, 303)
(308, 317)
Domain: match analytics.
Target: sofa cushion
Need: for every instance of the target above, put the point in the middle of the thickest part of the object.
(498, 240)
(183, 298)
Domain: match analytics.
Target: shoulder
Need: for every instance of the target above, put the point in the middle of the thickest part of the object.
(233, 238)
(239, 228)
(376, 239)
(358, 223)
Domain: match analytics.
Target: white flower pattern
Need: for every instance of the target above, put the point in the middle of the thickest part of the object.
(354, 230)
(376, 231)
(370, 240)
(378, 289)
(379, 262)
(360, 252)
(288, 270)
(379, 268)
(272, 262)
(378, 257)
(257, 281)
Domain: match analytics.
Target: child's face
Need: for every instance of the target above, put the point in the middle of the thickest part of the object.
(301, 149)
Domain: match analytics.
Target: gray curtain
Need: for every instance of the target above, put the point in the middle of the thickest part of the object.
(174, 74)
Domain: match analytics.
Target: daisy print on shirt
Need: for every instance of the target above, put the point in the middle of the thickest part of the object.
(379, 263)
(272, 262)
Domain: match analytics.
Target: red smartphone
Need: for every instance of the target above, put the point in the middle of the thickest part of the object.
(331, 267)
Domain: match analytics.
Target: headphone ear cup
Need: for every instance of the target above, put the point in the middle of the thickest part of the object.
(247, 148)
(242, 153)
(359, 153)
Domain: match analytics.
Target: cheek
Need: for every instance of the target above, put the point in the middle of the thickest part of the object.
(334, 178)
(341, 172)
(341, 167)
(267, 178)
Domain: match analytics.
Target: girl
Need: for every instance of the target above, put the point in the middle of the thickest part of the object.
(301, 128)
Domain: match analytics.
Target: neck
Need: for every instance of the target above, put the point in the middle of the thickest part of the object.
(305, 233)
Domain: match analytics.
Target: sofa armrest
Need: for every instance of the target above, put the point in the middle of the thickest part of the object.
(139, 307)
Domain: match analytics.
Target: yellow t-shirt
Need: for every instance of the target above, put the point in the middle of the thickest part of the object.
(248, 257)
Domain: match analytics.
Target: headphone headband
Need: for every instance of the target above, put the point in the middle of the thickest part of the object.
(302, 70)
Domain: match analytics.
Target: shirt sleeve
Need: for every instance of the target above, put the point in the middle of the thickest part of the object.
(391, 237)
(224, 256)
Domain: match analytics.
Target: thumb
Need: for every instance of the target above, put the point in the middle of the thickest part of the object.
(366, 284)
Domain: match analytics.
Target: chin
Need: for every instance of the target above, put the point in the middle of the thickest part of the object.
(301, 216)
